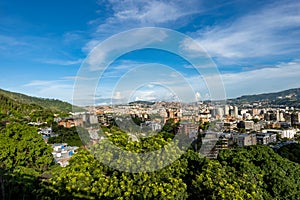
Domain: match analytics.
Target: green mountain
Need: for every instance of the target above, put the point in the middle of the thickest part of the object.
(21, 100)
(289, 97)
(13, 110)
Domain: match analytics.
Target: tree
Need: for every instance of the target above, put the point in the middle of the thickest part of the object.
(23, 157)
(170, 126)
(218, 181)
(204, 126)
(87, 178)
(280, 177)
(291, 152)
(67, 135)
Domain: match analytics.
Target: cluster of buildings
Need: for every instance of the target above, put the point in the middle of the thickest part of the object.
(212, 142)
(233, 125)
(46, 133)
(62, 153)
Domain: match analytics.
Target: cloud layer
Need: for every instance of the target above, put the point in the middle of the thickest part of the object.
(270, 31)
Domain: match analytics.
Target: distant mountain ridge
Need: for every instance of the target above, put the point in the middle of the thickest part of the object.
(141, 102)
(290, 97)
(54, 105)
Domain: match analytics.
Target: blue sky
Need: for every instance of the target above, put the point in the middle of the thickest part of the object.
(255, 44)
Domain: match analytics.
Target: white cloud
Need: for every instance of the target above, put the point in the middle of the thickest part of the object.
(73, 36)
(269, 31)
(192, 48)
(275, 78)
(57, 89)
(280, 77)
(128, 14)
(151, 12)
(78, 78)
(11, 41)
(110, 49)
(62, 62)
(118, 95)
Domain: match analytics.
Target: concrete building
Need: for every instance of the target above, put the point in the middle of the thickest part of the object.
(45, 131)
(208, 147)
(62, 153)
(255, 112)
(248, 125)
(229, 126)
(290, 134)
(70, 122)
(188, 128)
(295, 119)
(174, 114)
(280, 116)
(154, 126)
(235, 111)
(93, 119)
(265, 138)
(227, 109)
(105, 119)
(245, 139)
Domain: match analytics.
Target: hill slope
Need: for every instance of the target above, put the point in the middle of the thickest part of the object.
(51, 104)
(289, 97)
(13, 110)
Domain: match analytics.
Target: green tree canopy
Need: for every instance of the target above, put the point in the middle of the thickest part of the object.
(23, 157)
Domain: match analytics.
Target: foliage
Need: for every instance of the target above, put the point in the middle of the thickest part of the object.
(13, 110)
(170, 126)
(88, 178)
(280, 177)
(291, 152)
(65, 135)
(50, 104)
(23, 157)
(254, 172)
(218, 181)
(204, 126)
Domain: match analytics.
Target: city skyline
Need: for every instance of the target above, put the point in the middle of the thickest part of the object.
(254, 44)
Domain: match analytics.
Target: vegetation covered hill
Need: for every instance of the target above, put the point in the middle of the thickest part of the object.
(289, 97)
(13, 110)
(54, 105)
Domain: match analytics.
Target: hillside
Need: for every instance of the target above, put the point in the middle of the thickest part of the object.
(52, 104)
(13, 110)
(289, 97)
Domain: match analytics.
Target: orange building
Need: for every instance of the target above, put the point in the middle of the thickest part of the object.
(71, 122)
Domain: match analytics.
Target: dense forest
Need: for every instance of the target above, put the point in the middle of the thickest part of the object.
(28, 171)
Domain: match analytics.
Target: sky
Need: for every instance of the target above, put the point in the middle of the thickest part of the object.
(254, 45)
